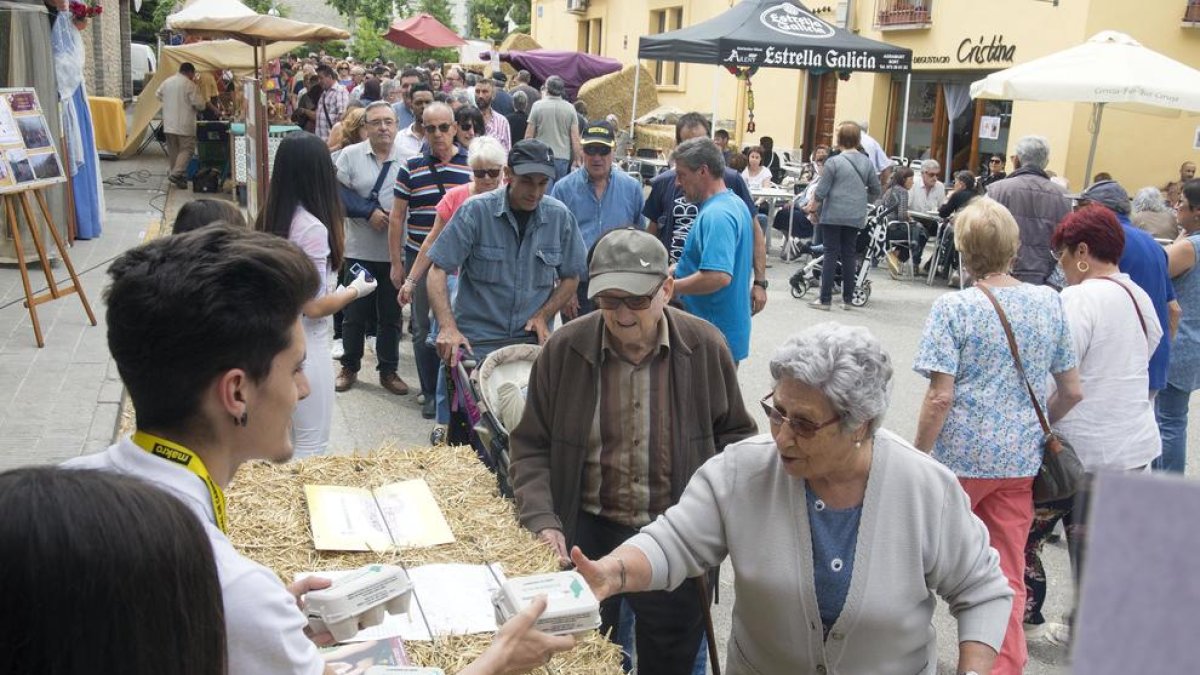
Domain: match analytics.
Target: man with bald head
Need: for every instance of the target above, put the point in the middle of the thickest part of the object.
(420, 185)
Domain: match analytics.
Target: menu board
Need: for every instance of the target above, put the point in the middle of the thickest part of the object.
(28, 156)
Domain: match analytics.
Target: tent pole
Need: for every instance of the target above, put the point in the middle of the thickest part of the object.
(637, 80)
(1097, 115)
(904, 122)
(946, 168)
(712, 132)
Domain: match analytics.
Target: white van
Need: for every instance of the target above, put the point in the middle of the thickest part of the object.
(142, 64)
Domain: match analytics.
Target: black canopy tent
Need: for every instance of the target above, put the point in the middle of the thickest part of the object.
(772, 34)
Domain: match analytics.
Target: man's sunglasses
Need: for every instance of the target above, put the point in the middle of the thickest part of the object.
(634, 302)
(597, 150)
(444, 127)
(799, 426)
(486, 173)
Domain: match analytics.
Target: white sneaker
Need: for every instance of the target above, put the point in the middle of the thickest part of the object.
(371, 343)
(1051, 632)
(338, 350)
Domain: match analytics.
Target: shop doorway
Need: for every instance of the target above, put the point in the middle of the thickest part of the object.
(821, 111)
(979, 129)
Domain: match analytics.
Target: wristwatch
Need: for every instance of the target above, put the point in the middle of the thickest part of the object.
(761, 283)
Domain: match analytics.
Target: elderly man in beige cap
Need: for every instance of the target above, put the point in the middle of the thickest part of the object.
(623, 406)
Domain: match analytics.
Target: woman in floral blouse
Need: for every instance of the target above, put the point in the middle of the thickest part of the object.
(977, 418)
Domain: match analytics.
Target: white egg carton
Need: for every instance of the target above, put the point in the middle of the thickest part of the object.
(570, 605)
(403, 670)
(358, 600)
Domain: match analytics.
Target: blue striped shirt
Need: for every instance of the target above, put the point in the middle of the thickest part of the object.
(422, 189)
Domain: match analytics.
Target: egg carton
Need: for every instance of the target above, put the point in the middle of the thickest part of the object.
(570, 605)
(358, 600)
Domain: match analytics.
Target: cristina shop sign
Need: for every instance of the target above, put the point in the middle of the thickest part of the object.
(982, 52)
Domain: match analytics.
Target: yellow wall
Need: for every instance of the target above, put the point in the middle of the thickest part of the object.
(777, 92)
(1136, 149)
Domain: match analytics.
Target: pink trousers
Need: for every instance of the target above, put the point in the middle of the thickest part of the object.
(1005, 505)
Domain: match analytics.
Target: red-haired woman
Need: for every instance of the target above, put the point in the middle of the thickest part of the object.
(1115, 330)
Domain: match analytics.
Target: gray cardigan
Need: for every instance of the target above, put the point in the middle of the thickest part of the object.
(848, 185)
(917, 540)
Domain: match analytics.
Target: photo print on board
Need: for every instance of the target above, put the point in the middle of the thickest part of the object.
(34, 132)
(45, 166)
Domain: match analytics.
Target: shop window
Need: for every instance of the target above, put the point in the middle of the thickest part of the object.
(666, 73)
(1191, 14)
(590, 34)
(903, 14)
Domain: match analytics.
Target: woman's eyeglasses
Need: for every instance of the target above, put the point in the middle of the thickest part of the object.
(486, 173)
(634, 302)
(466, 126)
(444, 127)
(799, 426)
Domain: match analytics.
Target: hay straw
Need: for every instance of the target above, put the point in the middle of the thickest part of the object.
(269, 523)
(612, 94)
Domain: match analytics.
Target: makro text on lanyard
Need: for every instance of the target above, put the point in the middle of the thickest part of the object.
(173, 452)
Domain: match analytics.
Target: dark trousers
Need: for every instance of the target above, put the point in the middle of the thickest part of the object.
(381, 307)
(670, 624)
(839, 248)
(425, 355)
(1073, 512)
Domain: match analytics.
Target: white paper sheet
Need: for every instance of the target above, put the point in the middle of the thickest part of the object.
(453, 599)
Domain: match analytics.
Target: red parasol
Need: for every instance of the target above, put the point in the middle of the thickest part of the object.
(422, 31)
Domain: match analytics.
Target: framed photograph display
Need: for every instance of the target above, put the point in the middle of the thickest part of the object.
(28, 155)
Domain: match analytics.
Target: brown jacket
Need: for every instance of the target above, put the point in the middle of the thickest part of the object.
(550, 443)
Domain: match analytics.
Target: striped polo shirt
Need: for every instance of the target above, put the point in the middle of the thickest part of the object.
(422, 182)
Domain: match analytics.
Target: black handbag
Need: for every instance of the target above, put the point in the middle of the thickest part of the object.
(1061, 473)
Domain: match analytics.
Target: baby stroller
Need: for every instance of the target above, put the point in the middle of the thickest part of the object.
(486, 401)
(871, 243)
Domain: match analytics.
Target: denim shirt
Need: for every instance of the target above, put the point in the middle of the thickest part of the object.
(619, 206)
(503, 279)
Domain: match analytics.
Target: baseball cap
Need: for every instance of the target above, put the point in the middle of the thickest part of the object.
(531, 156)
(1110, 194)
(499, 76)
(599, 133)
(629, 260)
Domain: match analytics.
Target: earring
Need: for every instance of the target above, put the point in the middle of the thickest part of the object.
(1083, 266)
(240, 421)
(857, 444)
(245, 416)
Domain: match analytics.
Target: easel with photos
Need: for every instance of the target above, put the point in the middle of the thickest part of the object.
(20, 199)
(29, 163)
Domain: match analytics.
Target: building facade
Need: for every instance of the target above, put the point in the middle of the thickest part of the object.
(954, 43)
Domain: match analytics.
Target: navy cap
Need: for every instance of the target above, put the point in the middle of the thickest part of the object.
(531, 156)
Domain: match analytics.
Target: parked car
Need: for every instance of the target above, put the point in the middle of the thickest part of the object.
(142, 64)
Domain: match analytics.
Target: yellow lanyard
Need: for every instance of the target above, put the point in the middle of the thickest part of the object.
(173, 452)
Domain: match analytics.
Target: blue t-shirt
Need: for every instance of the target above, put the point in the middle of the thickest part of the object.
(722, 240)
(1146, 263)
(675, 214)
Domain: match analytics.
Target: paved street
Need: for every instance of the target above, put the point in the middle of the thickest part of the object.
(63, 400)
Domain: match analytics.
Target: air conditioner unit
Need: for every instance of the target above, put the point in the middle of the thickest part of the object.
(577, 6)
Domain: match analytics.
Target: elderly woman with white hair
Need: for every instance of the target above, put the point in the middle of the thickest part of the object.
(1152, 214)
(841, 534)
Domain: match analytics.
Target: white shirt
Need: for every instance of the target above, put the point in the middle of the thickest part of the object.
(875, 153)
(409, 144)
(1113, 427)
(922, 199)
(757, 182)
(181, 100)
(264, 628)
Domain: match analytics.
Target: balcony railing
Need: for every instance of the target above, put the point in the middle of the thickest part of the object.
(897, 15)
(1191, 14)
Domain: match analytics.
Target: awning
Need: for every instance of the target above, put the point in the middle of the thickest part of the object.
(422, 31)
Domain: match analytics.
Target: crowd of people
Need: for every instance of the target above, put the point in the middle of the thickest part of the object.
(499, 217)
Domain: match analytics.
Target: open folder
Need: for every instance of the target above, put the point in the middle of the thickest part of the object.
(394, 516)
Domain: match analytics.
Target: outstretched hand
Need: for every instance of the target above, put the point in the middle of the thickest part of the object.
(603, 576)
(518, 648)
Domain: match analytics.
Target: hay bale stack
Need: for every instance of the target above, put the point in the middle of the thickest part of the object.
(612, 94)
(269, 523)
(516, 42)
(658, 136)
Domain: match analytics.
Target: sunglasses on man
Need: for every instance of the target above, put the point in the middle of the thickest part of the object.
(634, 302)
(444, 127)
(597, 150)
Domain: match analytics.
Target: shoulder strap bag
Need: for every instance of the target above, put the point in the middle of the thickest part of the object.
(383, 172)
(1136, 307)
(1061, 472)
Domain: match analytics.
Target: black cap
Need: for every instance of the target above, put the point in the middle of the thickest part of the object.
(599, 132)
(531, 156)
(499, 76)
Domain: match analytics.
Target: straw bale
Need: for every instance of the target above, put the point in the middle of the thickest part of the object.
(658, 136)
(516, 42)
(612, 94)
(269, 523)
